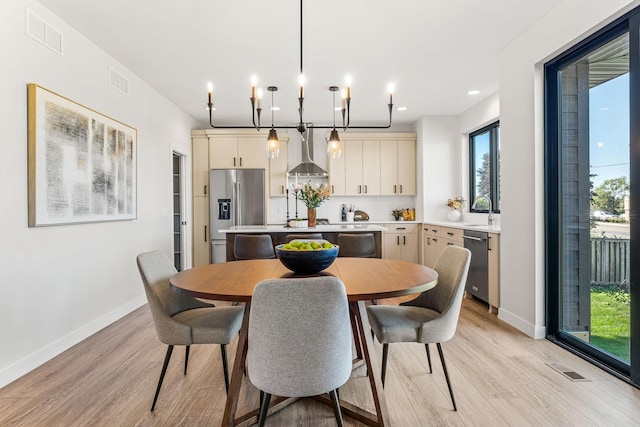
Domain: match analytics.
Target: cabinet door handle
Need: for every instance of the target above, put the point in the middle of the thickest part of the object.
(240, 161)
(400, 188)
(359, 189)
(489, 243)
(404, 240)
(234, 161)
(333, 190)
(449, 233)
(397, 240)
(395, 188)
(205, 189)
(205, 233)
(428, 241)
(365, 188)
(401, 228)
(282, 189)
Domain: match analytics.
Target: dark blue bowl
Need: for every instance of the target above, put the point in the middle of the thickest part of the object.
(307, 262)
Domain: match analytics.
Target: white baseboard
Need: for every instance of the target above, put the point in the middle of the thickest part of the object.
(48, 352)
(534, 331)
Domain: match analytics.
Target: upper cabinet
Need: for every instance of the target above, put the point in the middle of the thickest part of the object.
(375, 164)
(200, 154)
(238, 152)
(362, 168)
(398, 177)
(278, 171)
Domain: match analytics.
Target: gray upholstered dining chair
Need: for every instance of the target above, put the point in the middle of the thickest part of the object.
(310, 236)
(182, 320)
(357, 245)
(299, 339)
(432, 317)
(253, 246)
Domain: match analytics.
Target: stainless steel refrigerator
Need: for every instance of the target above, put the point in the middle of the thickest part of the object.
(236, 198)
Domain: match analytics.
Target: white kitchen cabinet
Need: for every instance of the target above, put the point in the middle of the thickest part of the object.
(200, 169)
(238, 152)
(400, 242)
(337, 171)
(494, 271)
(201, 231)
(398, 174)
(362, 168)
(278, 171)
(435, 239)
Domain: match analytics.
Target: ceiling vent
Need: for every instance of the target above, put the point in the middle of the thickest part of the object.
(118, 81)
(39, 30)
(307, 167)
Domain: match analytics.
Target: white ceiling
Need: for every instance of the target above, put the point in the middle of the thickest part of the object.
(433, 50)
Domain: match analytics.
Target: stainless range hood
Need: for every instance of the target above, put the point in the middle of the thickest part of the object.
(307, 168)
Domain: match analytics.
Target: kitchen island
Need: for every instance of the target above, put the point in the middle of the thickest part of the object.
(279, 233)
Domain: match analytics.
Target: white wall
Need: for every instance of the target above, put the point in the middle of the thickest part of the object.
(60, 284)
(480, 115)
(440, 158)
(522, 160)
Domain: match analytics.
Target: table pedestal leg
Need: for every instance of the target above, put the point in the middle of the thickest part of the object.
(237, 371)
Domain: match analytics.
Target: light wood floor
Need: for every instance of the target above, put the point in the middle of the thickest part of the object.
(500, 378)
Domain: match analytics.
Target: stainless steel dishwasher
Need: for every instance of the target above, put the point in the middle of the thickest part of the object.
(478, 279)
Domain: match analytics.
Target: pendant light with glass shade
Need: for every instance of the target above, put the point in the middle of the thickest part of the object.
(334, 147)
(273, 144)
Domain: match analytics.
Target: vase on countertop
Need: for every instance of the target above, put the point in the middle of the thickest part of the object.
(454, 215)
(311, 217)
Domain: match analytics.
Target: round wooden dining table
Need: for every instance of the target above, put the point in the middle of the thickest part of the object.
(364, 279)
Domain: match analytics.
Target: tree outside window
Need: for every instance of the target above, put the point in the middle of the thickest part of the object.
(484, 167)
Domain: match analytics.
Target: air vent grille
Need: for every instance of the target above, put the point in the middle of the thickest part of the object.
(572, 375)
(118, 81)
(39, 30)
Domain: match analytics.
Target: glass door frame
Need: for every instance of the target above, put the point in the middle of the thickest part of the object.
(553, 197)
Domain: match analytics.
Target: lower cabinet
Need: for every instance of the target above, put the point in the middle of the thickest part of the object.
(200, 231)
(494, 271)
(435, 239)
(400, 242)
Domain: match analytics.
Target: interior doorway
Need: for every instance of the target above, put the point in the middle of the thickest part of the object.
(179, 211)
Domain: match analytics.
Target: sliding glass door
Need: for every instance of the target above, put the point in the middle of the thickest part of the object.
(592, 158)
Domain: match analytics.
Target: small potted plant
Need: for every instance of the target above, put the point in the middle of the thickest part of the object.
(397, 214)
(456, 204)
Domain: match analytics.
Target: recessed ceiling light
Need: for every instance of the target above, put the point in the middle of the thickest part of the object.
(207, 108)
(275, 108)
(473, 92)
(402, 108)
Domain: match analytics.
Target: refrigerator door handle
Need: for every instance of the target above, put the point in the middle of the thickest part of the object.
(239, 203)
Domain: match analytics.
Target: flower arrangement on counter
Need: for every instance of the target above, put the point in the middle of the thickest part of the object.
(456, 203)
(312, 196)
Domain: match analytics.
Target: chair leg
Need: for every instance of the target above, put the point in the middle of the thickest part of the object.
(186, 358)
(167, 357)
(446, 375)
(385, 354)
(426, 346)
(264, 408)
(335, 402)
(225, 366)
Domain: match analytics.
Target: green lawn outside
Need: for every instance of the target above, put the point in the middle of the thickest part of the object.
(610, 320)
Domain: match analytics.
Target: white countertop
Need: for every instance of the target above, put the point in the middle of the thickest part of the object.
(467, 226)
(352, 226)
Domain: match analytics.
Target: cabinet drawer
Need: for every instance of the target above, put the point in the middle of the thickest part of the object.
(451, 233)
(432, 230)
(402, 228)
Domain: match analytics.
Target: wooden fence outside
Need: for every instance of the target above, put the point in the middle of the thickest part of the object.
(609, 261)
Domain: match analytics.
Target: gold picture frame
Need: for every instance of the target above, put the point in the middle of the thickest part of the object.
(82, 165)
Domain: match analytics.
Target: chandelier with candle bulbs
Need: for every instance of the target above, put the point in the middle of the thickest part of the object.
(334, 147)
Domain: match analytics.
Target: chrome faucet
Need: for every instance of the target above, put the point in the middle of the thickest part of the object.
(490, 219)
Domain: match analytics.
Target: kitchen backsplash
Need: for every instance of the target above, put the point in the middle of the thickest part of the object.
(379, 208)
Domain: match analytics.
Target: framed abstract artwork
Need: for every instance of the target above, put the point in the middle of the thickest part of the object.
(81, 164)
